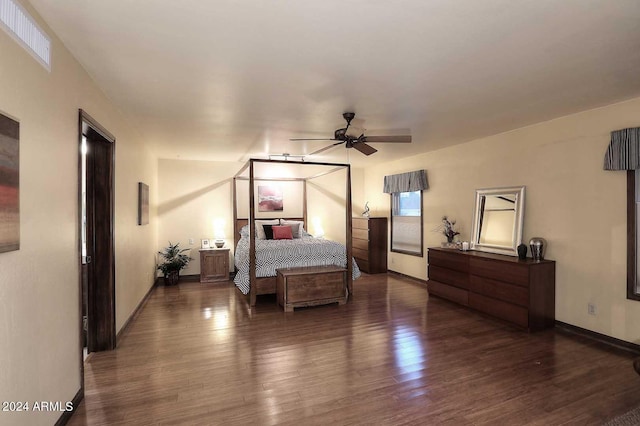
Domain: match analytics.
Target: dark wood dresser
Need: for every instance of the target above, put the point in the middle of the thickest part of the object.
(369, 238)
(522, 292)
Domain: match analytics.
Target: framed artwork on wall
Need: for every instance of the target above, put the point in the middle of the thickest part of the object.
(270, 198)
(143, 204)
(9, 184)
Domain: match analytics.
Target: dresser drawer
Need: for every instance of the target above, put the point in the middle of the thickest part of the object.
(449, 276)
(360, 244)
(360, 223)
(361, 254)
(363, 264)
(499, 290)
(361, 234)
(502, 271)
(449, 260)
(503, 310)
(445, 291)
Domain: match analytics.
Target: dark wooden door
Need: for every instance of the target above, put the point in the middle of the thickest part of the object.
(100, 286)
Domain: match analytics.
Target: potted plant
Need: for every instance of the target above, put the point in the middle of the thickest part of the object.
(174, 261)
(447, 228)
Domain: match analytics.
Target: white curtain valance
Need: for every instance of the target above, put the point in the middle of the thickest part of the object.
(406, 182)
(623, 152)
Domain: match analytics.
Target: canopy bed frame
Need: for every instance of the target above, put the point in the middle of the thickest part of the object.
(267, 285)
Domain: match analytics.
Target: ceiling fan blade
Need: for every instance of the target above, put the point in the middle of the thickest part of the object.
(364, 148)
(388, 139)
(318, 139)
(325, 148)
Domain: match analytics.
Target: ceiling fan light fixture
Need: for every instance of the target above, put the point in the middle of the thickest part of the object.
(286, 157)
(341, 136)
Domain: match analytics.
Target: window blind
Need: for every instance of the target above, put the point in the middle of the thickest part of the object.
(623, 152)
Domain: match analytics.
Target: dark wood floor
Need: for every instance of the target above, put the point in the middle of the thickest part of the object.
(197, 355)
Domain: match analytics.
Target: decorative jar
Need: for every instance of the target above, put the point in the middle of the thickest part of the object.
(537, 246)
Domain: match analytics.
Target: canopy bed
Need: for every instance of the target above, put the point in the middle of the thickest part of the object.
(261, 240)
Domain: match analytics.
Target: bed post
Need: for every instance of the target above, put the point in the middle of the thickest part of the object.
(236, 231)
(252, 238)
(304, 204)
(349, 241)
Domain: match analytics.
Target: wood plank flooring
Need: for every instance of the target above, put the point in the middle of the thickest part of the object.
(196, 355)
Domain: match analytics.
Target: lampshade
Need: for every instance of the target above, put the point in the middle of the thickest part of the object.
(317, 226)
(218, 228)
(218, 232)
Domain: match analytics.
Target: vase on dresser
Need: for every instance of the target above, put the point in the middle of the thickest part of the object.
(537, 245)
(522, 252)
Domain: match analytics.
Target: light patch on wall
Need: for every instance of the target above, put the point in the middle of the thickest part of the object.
(318, 230)
(274, 170)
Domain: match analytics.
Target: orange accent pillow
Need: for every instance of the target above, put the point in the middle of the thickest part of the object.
(282, 233)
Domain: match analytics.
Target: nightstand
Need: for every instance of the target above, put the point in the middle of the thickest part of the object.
(214, 265)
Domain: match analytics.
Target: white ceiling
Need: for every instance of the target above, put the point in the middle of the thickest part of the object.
(229, 79)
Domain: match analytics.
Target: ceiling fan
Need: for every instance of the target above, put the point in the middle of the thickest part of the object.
(341, 136)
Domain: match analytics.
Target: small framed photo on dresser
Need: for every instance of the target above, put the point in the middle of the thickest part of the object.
(205, 244)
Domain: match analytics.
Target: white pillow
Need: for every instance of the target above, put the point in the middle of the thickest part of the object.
(295, 225)
(260, 230)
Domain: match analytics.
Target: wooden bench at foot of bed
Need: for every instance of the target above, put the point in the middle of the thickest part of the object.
(310, 286)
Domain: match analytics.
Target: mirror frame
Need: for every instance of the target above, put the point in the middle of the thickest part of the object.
(518, 223)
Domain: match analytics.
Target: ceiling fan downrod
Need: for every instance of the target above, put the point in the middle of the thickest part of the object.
(348, 116)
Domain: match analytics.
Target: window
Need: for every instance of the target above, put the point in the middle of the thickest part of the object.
(406, 223)
(633, 239)
(21, 26)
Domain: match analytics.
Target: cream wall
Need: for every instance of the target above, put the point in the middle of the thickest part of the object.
(39, 286)
(576, 206)
(358, 200)
(326, 204)
(192, 194)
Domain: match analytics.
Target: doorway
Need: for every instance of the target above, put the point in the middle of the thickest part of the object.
(97, 256)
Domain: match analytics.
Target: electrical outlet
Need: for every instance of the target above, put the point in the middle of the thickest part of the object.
(591, 308)
(191, 241)
(393, 261)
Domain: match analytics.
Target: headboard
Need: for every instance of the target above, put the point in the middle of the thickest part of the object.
(242, 222)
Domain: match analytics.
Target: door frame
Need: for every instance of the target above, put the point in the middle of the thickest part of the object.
(86, 119)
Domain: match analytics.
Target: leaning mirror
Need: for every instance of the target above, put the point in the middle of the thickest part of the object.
(498, 220)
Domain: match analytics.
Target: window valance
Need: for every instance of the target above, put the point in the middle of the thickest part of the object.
(623, 152)
(406, 182)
